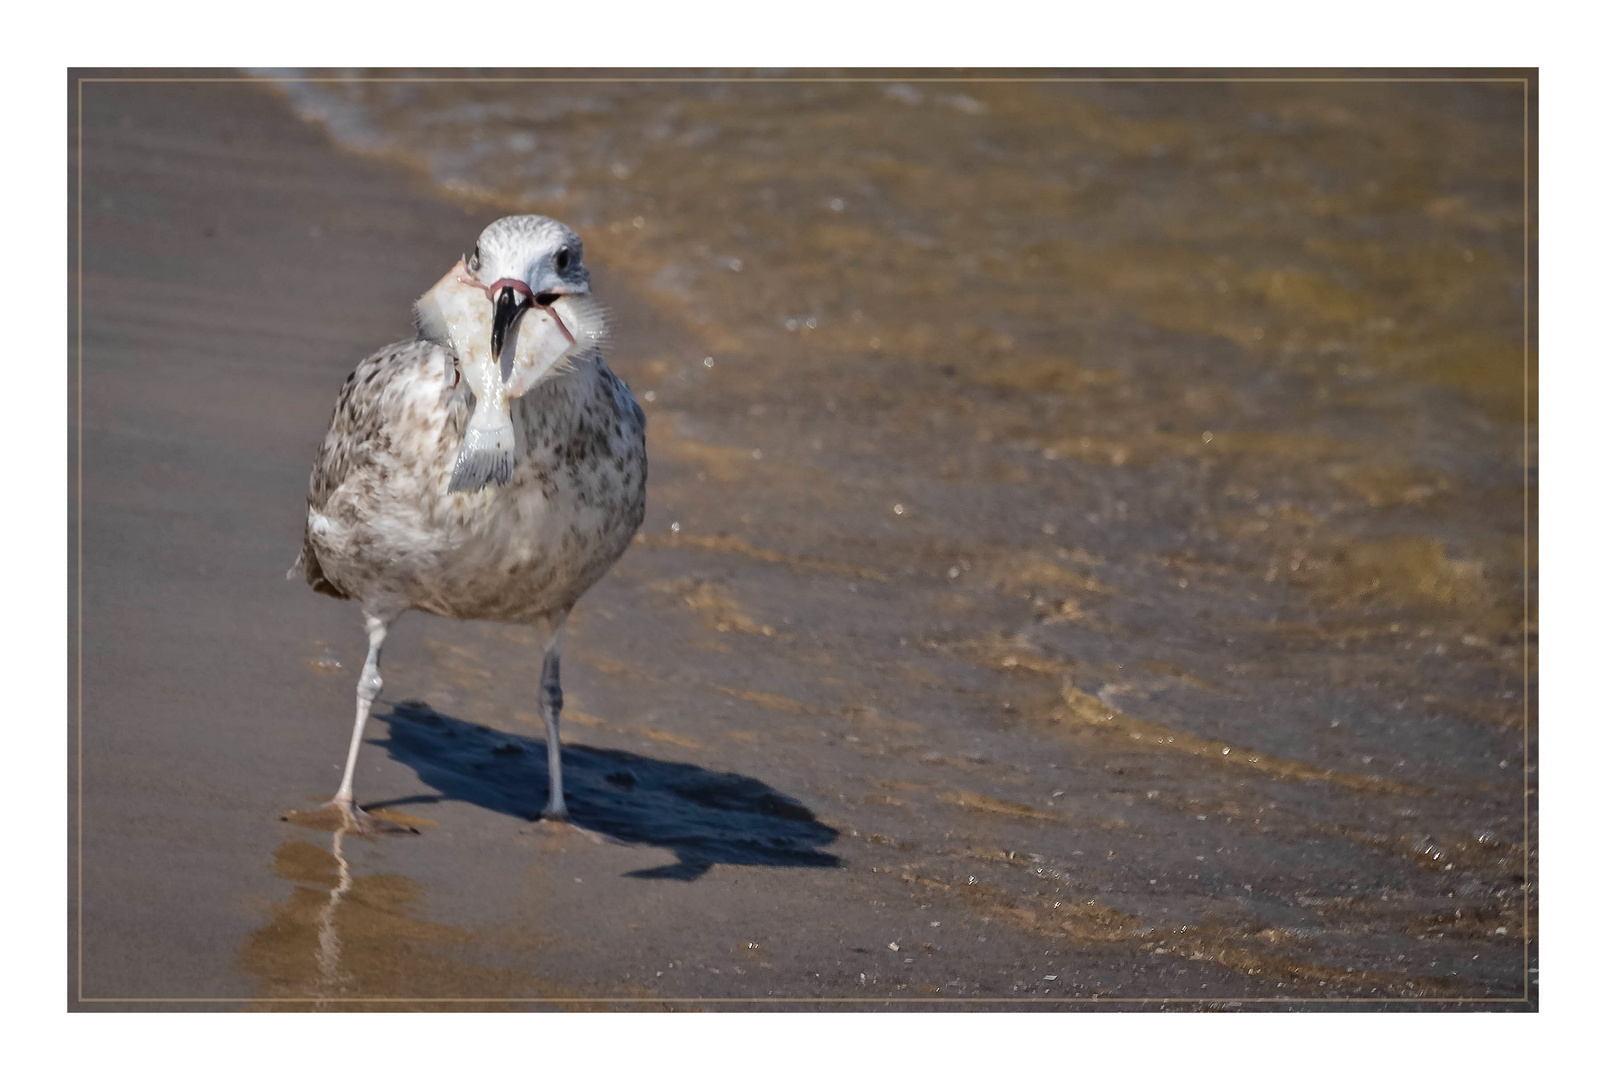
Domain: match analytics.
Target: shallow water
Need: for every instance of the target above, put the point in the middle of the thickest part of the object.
(1097, 493)
(1326, 278)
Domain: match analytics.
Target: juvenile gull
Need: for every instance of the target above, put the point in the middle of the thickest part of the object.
(493, 468)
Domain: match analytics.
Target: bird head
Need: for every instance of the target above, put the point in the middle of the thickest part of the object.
(527, 261)
(522, 268)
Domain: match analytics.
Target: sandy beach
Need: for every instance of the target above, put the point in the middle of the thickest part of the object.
(1144, 670)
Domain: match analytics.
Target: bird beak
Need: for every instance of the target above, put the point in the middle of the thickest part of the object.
(510, 301)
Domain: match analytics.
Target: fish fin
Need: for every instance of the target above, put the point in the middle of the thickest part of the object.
(428, 318)
(596, 320)
(485, 456)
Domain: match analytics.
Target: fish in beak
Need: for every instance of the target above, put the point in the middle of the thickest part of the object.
(515, 313)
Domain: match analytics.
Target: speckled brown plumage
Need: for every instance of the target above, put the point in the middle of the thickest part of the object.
(381, 527)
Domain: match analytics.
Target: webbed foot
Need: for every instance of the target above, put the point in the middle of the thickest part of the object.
(344, 815)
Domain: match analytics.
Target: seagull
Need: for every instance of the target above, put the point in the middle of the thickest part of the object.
(493, 468)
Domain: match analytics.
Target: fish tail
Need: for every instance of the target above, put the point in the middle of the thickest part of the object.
(486, 456)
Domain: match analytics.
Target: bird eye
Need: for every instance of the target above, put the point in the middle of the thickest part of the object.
(563, 259)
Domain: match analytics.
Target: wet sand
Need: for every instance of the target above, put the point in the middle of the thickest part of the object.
(976, 675)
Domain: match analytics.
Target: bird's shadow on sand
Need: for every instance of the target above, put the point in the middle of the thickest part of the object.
(703, 817)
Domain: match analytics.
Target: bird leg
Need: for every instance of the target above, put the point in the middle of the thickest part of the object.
(342, 812)
(368, 686)
(551, 707)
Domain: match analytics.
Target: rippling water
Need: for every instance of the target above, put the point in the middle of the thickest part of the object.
(1193, 412)
(1313, 291)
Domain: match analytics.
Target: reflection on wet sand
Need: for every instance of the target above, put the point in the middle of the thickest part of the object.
(328, 938)
(355, 941)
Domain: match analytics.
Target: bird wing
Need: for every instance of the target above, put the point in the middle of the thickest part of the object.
(357, 432)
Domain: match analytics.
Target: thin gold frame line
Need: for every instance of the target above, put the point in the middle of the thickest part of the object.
(823, 1001)
(796, 79)
(1527, 883)
(1528, 892)
(80, 568)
